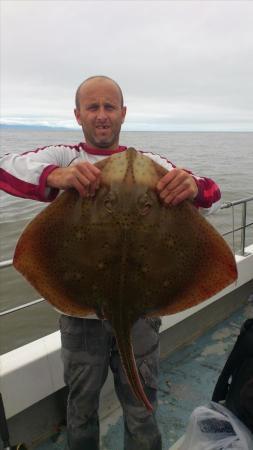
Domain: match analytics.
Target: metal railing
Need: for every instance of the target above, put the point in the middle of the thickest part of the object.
(242, 228)
(244, 224)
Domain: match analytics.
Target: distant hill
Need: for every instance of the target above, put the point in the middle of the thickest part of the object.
(34, 127)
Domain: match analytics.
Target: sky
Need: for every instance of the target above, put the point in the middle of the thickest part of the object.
(182, 65)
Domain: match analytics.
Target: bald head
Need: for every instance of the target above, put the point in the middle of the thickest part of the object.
(97, 78)
(100, 111)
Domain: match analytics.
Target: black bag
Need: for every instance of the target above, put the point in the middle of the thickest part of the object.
(235, 383)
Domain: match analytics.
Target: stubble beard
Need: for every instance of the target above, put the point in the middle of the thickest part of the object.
(100, 142)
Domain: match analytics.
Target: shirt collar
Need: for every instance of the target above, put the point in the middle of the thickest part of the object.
(102, 151)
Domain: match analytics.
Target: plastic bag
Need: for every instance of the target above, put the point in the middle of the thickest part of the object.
(214, 427)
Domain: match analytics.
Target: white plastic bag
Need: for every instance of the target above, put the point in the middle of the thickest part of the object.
(214, 427)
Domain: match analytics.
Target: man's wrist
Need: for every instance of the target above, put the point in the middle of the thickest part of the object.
(53, 178)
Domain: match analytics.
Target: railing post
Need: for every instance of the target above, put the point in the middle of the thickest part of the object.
(243, 225)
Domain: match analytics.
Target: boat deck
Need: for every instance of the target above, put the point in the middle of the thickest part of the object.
(187, 379)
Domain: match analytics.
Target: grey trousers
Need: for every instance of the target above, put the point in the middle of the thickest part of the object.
(88, 349)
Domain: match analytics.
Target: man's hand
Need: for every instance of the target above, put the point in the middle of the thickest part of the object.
(83, 176)
(176, 186)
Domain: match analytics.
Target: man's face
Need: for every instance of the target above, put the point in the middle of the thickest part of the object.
(100, 113)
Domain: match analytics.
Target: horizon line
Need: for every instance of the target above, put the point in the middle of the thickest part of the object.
(144, 128)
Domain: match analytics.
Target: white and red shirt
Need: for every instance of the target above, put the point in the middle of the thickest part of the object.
(25, 175)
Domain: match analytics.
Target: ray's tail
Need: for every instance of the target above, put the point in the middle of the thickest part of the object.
(128, 361)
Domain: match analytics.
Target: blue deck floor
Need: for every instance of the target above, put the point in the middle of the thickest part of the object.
(187, 379)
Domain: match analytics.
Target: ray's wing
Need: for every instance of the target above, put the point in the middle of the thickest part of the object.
(48, 253)
(200, 263)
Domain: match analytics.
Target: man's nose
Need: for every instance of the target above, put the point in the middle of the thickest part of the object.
(101, 114)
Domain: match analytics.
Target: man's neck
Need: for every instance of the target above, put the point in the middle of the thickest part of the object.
(102, 151)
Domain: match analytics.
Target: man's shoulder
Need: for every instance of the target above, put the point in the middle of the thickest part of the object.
(66, 153)
(67, 147)
(159, 159)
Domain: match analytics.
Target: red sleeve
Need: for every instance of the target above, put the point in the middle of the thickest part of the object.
(209, 193)
(19, 188)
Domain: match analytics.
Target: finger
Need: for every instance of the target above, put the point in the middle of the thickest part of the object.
(88, 188)
(94, 169)
(93, 177)
(171, 197)
(89, 169)
(93, 187)
(164, 181)
(180, 197)
(84, 176)
(83, 191)
(87, 173)
(187, 190)
(176, 183)
(173, 179)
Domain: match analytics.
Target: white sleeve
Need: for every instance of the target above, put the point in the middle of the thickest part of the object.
(25, 175)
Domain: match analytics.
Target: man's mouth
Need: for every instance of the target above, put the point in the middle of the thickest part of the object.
(102, 127)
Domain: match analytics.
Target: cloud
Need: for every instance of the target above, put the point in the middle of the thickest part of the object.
(184, 62)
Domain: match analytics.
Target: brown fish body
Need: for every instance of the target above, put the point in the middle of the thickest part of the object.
(123, 254)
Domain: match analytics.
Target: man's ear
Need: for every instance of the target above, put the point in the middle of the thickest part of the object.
(124, 110)
(77, 114)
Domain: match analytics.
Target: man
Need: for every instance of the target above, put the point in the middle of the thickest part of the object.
(88, 346)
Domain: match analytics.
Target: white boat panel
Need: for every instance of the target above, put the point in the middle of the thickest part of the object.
(30, 373)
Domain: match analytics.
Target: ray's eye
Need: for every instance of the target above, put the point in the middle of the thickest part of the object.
(144, 204)
(109, 202)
